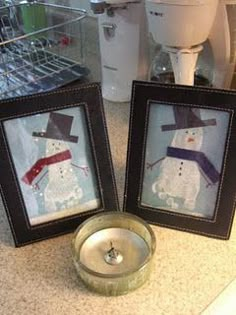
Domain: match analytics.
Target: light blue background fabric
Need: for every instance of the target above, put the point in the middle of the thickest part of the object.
(214, 138)
(26, 150)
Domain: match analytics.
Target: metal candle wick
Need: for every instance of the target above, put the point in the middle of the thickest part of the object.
(113, 256)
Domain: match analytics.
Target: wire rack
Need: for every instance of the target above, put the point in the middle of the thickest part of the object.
(41, 48)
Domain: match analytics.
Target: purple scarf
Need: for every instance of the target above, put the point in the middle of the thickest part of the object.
(199, 157)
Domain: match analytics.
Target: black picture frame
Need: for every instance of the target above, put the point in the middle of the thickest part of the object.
(158, 110)
(96, 183)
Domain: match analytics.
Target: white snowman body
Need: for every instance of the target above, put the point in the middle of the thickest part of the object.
(62, 190)
(180, 178)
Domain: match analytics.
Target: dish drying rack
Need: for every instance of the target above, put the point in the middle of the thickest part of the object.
(41, 48)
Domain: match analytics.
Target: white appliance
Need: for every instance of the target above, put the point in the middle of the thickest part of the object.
(123, 45)
(222, 39)
(181, 26)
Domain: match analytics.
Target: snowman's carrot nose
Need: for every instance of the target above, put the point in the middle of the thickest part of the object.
(190, 139)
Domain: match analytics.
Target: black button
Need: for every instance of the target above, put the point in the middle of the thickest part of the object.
(180, 174)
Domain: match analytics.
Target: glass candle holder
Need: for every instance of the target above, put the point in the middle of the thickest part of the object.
(113, 252)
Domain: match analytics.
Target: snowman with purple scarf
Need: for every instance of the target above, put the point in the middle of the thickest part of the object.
(184, 164)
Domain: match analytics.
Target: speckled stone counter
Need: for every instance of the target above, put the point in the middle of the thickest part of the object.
(189, 272)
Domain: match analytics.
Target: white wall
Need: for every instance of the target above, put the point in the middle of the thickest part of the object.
(82, 4)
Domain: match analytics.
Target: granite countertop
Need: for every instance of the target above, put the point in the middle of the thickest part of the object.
(189, 270)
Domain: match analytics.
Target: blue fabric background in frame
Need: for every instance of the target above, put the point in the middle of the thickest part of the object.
(26, 150)
(213, 145)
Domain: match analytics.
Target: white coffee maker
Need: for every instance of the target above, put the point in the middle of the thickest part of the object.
(123, 45)
(181, 27)
(222, 39)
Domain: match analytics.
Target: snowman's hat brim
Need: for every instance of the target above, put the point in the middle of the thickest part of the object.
(186, 118)
(55, 136)
(204, 123)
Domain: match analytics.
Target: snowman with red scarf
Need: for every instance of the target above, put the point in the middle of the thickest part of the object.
(184, 164)
(63, 189)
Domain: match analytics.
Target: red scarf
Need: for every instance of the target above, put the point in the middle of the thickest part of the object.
(41, 163)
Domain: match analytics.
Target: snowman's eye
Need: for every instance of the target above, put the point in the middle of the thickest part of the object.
(193, 133)
(53, 144)
(186, 131)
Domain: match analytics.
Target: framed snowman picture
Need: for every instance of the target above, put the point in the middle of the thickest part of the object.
(182, 148)
(52, 170)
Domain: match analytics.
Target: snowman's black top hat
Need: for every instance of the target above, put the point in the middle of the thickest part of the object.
(186, 117)
(58, 128)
